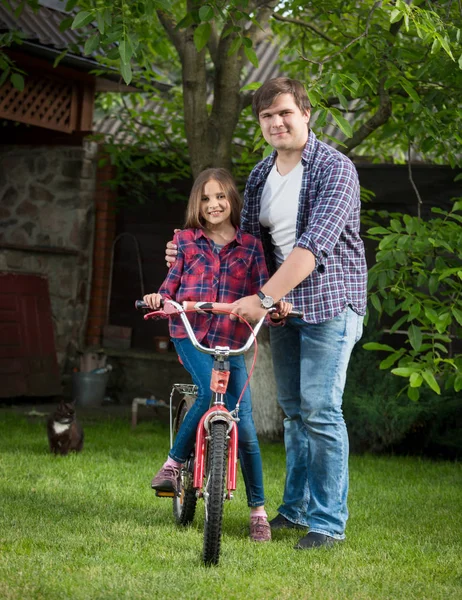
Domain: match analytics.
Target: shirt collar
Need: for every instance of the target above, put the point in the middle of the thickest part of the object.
(307, 157)
(200, 233)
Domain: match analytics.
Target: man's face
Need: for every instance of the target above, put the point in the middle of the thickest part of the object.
(283, 124)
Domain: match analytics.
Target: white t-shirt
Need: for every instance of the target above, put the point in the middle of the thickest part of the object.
(279, 208)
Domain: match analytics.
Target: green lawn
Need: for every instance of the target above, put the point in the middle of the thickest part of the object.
(88, 527)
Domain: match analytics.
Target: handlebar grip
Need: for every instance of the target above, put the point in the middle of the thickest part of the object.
(296, 314)
(141, 305)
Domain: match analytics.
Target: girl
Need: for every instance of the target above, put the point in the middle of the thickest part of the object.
(216, 262)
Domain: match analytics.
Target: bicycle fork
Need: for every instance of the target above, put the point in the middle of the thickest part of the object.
(217, 412)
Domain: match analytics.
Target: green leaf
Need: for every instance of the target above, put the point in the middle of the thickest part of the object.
(65, 24)
(415, 337)
(17, 81)
(395, 16)
(404, 371)
(201, 35)
(343, 124)
(251, 56)
(91, 44)
(409, 89)
(448, 272)
(235, 45)
(125, 51)
(81, 19)
(414, 311)
(390, 360)
(59, 58)
(126, 71)
(431, 381)
(100, 22)
(376, 303)
(413, 393)
(71, 4)
(377, 346)
(206, 13)
(415, 380)
(4, 76)
(458, 383)
(457, 315)
(376, 230)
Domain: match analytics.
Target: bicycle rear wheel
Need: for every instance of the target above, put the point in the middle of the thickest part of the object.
(184, 505)
(214, 493)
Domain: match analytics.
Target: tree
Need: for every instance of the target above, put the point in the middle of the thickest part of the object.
(384, 74)
(384, 77)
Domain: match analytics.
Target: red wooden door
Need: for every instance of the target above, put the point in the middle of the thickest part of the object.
(28, 364)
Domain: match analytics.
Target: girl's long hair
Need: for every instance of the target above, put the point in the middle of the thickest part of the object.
(225, 179)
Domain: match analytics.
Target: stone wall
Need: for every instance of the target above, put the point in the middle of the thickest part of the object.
(47, 228)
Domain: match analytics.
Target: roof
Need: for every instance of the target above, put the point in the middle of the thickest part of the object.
(43, 38)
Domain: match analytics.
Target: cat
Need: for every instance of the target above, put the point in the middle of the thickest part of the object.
(65, 434)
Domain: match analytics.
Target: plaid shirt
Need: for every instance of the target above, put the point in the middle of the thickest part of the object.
(327, 225)
(201, 274)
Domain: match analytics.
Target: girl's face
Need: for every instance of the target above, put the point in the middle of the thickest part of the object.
(215, 208)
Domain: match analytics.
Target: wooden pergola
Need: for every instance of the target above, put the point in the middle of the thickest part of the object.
(56, 98)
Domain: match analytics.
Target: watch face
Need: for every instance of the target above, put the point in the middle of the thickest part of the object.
(267, 302)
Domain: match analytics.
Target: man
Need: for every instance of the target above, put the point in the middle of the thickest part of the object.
(303, 202)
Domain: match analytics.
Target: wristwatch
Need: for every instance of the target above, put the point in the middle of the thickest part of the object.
(266, 301)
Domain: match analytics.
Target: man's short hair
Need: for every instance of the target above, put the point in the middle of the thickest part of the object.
(270, 90)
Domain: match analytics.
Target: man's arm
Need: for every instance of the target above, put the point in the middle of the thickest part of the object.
(298, 266)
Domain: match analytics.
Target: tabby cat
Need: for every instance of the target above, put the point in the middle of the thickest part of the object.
(65, 434)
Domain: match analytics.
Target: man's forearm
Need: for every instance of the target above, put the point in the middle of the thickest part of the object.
(298, 265)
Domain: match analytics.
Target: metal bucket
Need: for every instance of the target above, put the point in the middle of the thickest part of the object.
(88, 389)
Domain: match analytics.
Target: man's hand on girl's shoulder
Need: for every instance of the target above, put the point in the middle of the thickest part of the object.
(171, 251)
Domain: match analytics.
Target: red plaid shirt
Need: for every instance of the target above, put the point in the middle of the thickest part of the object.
(202, 274)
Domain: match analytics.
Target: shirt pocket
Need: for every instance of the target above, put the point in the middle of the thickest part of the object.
(238, 268)
(194, 263)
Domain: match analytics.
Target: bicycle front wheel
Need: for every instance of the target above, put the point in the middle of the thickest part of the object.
(214, 492)
(184, 505)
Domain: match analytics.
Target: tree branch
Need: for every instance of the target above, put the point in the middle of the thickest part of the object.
(174, 35)
(353, 41)
(381, 116)
(306, 25)
(411, 179)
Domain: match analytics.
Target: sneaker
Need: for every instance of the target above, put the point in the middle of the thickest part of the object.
(260, 530)
(316, 540)
(280, 522)
(167, 480)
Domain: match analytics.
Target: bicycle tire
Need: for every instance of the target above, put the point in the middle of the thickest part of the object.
(184, 505)
(215, 491)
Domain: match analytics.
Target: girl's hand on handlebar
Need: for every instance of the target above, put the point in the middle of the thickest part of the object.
(283, 308)
(153, 301)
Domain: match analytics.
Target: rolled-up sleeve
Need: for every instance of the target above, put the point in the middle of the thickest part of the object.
(338, 192)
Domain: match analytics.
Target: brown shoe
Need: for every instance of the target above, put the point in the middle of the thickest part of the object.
(260, 530)
(167, 480)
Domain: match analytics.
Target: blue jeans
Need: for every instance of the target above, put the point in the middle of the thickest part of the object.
(310, 363)
(200, 366)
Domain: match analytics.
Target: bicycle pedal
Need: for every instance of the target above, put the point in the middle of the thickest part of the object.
(165, 494)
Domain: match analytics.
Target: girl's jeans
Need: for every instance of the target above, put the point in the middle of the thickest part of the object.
(199, 366)
(310, 363)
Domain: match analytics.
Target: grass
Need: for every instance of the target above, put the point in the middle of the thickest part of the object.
(88, 527)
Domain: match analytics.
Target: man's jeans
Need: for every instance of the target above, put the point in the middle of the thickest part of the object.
(199, 366)
(310, 363)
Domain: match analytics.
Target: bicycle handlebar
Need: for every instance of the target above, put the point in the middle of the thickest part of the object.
(170, 307)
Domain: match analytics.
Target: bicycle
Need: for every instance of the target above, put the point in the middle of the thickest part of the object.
(211, 470)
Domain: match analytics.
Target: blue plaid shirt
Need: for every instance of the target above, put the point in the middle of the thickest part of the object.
(328, 222)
